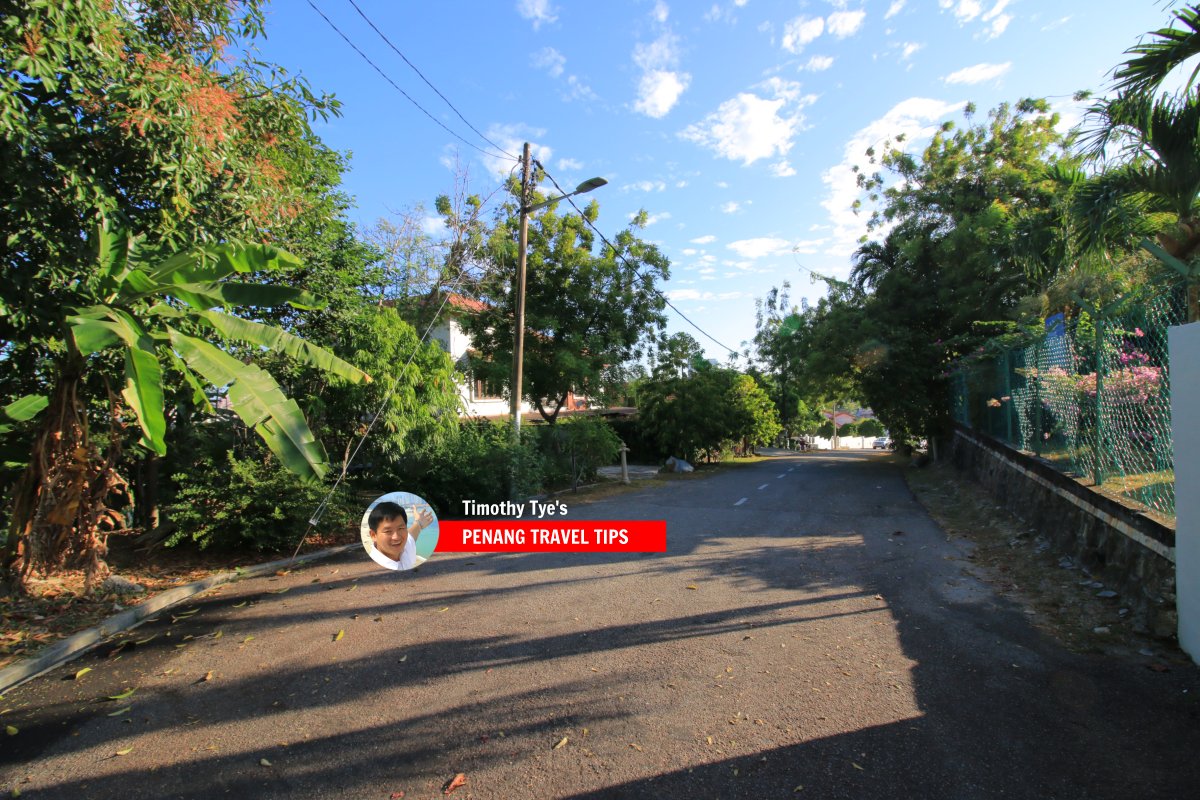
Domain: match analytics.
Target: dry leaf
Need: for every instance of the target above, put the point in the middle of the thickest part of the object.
(458, 780)
(120, 711)
(856, 766)
(352, 588)
(124, 752)
(636, 746)
(218, 634)
(12, 730)
(443, 608)
(264, 762)
(281, 591)
(208, 676)
(82, 672)
(403, 657)
(396, 796)
(127, 693)
(339, 635)
(147, 640)
(693, 586)
(248, 638)
(239, 605)
(561, 743)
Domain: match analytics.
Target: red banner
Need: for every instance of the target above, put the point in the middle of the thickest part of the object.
(551, 536)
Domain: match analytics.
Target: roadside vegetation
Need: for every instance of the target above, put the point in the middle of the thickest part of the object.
(989, 230)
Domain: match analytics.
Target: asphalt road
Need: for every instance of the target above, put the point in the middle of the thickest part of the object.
(809, 633)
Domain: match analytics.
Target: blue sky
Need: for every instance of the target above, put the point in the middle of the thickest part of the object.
(734, 124)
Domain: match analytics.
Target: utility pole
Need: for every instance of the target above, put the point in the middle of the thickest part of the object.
(519, 289)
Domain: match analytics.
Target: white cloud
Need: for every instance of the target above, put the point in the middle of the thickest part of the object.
(569, 164)
(661, 12)
(978, 73)
(537, 11)
(722, 185)
(681, 184)
(818, 64)
(511, 138)
(782, 169)
(732, 207)
(801, 31)
(964, 10)
(808, 247)
(550, 60)
(660, 85)
(999, 25)
(695, 294)
(845, 23)
(689, 251)
(750, 127)
(1058, 23)
(895, 8)
(659, 91)
(916, 119)
(433, 226)
(644, 186)
(909, 50)
(994, 19)
(761, 247)
(706, 239)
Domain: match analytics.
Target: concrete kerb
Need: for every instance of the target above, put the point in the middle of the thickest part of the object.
(76, 645)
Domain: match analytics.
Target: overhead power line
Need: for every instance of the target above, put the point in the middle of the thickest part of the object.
(645, 279)
(427, 82)
(396, 86)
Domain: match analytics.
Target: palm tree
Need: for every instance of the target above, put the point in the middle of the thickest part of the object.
(1155, 59)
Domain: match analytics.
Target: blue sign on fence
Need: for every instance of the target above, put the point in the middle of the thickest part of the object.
(1056, 326)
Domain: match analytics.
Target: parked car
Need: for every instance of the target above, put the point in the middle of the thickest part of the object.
(882, 443)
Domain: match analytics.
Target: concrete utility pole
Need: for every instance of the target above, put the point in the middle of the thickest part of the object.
(519, 288)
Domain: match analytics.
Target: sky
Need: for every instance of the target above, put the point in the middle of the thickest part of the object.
(734, 124)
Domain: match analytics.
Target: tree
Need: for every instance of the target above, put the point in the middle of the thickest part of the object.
(135, 118)
(149, 312)
(1165, 51)
(585, 312)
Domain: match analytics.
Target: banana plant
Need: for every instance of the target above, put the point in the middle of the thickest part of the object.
(152, 312)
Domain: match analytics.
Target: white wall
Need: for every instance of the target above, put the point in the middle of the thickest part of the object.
(1185, 432)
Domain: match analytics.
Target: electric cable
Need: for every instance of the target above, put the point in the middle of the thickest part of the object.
(396, 86)
(427, 82)
(621, 256)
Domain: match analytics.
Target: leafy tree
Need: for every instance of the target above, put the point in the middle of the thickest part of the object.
(136, 117)
(585, 312)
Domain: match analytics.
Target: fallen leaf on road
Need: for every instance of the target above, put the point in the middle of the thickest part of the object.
(798, 789)
(404, 657)
(218, 634)
(339, 635)
(709, 739)
(352, 588)
(120, 711)
(443, 608)
(208, 676)
(264, 762)
(248, 638)
(636, 746)
(561, 743)
(147, 640)
(395, 795)
(124, 752)
(458, 780)
(127, 693)
(281, 591)
(82, 672)
(12, 730)
(856, 766)
(282, 572)
(377, 619)
(693, 587)
(239, 605)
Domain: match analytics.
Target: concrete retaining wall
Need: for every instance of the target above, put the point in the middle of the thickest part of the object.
(1129, 551)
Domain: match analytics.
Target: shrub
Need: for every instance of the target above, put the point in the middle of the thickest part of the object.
(248, 503)
(573, 449)
(473, 464)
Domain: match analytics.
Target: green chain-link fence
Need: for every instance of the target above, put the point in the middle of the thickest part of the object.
(1090, 395)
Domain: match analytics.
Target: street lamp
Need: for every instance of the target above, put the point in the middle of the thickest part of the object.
(519, 324)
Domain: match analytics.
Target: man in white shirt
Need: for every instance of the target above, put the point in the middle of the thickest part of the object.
(393, 540)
